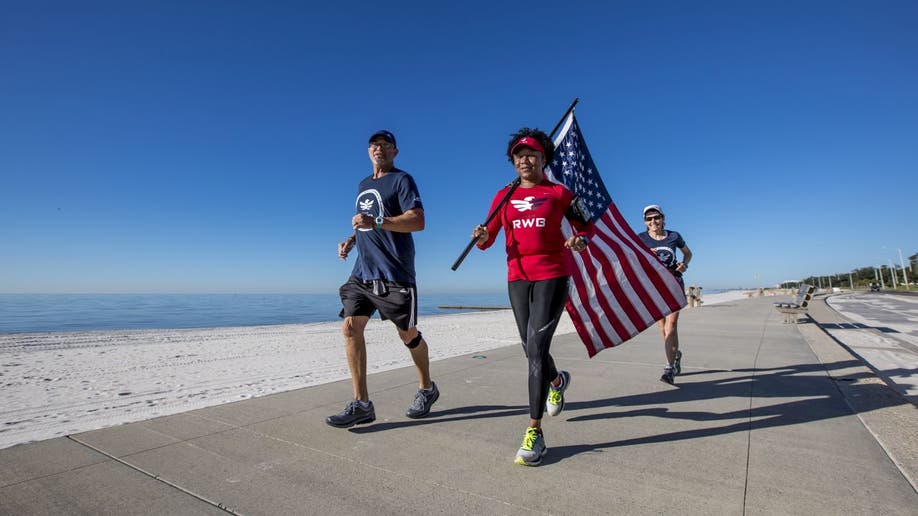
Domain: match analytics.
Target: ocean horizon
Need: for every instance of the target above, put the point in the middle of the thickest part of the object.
(33, 313)
(30, 313)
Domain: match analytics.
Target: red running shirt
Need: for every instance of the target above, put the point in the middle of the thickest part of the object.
(531, 219)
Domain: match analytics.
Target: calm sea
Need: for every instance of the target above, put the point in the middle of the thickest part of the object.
(76, 312)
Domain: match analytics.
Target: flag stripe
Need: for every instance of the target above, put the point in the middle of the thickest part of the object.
(588, 309)
(647, 273)
(667, 290)
(628, 262)
(628, 313)
(611, 273)
(595, 296)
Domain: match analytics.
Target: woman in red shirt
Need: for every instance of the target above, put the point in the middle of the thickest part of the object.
(539, 265)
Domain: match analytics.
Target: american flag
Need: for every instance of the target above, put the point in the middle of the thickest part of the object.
(620, 288)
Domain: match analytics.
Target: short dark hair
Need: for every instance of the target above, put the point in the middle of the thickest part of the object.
(538, 135)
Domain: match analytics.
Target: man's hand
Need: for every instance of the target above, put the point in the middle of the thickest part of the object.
(363, 221)
(345, 247)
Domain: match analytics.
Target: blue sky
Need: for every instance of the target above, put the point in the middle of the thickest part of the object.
(217, 146)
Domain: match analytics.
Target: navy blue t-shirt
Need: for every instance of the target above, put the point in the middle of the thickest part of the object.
(386, 255)
(666, 248)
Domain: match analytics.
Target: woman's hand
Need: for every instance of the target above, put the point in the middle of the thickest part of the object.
(576, 243)
(480, 233)
(681, 267)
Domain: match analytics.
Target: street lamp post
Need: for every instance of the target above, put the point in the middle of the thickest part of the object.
(904, 275)
(892, 273)
(882, 284)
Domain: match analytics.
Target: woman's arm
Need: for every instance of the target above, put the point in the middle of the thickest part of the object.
(686, 258)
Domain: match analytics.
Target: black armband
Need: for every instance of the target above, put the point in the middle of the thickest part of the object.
(577, 212)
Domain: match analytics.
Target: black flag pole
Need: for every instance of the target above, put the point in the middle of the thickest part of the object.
(513, 185)
(558, 125)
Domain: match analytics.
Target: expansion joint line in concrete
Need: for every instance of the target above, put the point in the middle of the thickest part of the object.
(755, 366)
(155, 477)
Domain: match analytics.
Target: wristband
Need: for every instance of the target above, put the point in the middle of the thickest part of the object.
(379, 222)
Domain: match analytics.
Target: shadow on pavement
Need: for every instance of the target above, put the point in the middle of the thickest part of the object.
(449, 415)
(823, 401)
(855, 326)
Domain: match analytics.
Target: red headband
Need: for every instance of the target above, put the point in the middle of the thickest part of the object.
(528, 141)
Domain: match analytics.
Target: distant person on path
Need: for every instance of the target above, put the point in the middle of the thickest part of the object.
(388, 209)
(665, 243)
(539, 265)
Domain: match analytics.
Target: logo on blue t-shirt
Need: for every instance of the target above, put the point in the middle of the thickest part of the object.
(666, 255)
(369, 202)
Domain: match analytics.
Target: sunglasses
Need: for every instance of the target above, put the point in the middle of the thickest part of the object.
(652, 218)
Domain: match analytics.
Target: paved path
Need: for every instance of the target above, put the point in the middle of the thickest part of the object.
(882, 329)
(767, 418)
(893, 313)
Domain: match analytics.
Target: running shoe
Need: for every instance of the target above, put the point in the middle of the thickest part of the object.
(423, 400)
(532, 450)
(668, 376)
(555, 403)
(677, 364)
(353, 414)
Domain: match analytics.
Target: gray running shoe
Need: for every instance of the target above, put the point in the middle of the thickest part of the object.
(532, 450)
(353, 414)
(423, 400)
(677, 364)
(555, 403)
(668, 376)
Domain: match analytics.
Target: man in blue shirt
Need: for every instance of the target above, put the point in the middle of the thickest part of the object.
(388, 210)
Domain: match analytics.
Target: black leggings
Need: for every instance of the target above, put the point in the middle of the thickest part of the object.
(537, 307)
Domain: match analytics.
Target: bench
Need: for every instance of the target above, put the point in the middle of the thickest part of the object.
(799, 306)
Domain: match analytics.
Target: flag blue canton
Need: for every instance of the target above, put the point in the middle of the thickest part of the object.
(574, 167)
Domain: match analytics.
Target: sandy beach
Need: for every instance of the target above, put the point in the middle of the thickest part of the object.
(57, 384)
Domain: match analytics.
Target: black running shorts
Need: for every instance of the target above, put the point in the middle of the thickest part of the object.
(396, 302)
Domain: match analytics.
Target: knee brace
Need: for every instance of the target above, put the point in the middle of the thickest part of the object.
(414, 342)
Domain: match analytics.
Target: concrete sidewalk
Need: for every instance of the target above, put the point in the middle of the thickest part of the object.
(767, 418)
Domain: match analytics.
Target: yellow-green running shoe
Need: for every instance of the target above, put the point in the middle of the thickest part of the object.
(533, 448)
(555, 403)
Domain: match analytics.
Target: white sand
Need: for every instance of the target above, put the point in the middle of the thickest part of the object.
(57, 384)
(725, 297)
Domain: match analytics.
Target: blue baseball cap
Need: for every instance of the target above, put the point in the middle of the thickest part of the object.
(387, 135)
